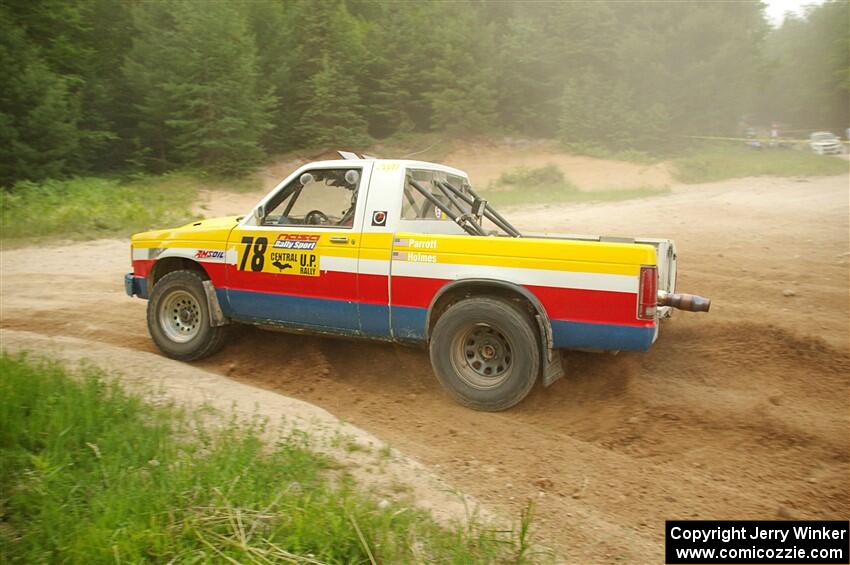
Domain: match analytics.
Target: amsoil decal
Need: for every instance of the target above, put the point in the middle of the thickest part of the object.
(296, 255)
(209, 254)
(301, 242)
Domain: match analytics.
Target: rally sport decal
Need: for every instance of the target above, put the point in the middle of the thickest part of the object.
(290, 254)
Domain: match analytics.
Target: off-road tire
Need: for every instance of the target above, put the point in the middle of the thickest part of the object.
(470, 328)
(185, 290)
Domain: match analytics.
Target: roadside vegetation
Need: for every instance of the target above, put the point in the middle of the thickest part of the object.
(92, 207)
(88, 207)
(710, 164)
(90, 473)
(98, 87)
(547, 184)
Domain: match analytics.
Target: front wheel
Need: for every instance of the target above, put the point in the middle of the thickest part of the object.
(485, 352)
(179, 318)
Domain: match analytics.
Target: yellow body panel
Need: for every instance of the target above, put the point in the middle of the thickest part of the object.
(211, 233)
(530, 253)
(527, 253)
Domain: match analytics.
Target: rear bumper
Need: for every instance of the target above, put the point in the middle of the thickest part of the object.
(135, 285)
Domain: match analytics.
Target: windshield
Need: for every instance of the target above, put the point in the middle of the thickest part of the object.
(319, 197)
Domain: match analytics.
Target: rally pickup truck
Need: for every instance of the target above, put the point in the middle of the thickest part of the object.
(406, 251)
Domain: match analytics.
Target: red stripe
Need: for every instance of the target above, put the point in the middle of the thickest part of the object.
(216, 272)
(595, 306)
(330, 284)
(417, 292)
(335, 285)
(374, 289)
(142, 267)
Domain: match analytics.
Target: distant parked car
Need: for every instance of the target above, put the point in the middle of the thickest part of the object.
(752, 138)
(824, 143)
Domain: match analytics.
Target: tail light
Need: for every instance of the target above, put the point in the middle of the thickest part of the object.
(647, 292)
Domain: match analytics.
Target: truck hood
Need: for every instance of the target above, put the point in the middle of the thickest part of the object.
(213, 229)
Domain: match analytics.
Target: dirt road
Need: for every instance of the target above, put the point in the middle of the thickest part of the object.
(741, 413)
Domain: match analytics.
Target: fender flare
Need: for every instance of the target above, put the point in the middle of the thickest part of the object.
(551, 360)
(217, 317)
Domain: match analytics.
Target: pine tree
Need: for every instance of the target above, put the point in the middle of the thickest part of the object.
(461, 88)
(543, 46)
(196, 76)
(316, 31)
(39, 137)
(333, 117)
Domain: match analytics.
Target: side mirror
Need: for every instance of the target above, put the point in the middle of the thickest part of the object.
(260, 213)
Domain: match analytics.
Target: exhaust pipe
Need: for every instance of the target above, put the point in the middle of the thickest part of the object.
(688, 302)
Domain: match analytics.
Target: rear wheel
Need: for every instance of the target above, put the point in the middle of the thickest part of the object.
(179, 318)
(485, 352)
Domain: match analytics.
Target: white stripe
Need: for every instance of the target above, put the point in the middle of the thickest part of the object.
(186, 252)
(374, 267)
(140, 253)
(535, 277)
(339, 264)
(446, 271)
(350, 265)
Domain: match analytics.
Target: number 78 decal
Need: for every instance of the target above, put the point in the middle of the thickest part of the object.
(304, 262)
(259, 248)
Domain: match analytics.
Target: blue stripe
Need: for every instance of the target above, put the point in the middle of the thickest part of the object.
(583, 335)
(409, 323)
(375, 320)
(322, 313)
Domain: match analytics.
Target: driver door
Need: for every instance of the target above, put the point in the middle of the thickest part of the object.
(298, 267)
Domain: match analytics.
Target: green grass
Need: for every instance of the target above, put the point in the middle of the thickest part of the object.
(716, 163)
(547, 185)
(92, 207)
(89, 207)
(92, 474)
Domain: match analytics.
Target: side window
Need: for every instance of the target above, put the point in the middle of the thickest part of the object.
(320, 197)
(415, 206)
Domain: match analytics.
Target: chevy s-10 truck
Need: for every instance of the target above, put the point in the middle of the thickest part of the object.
(406, 251)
